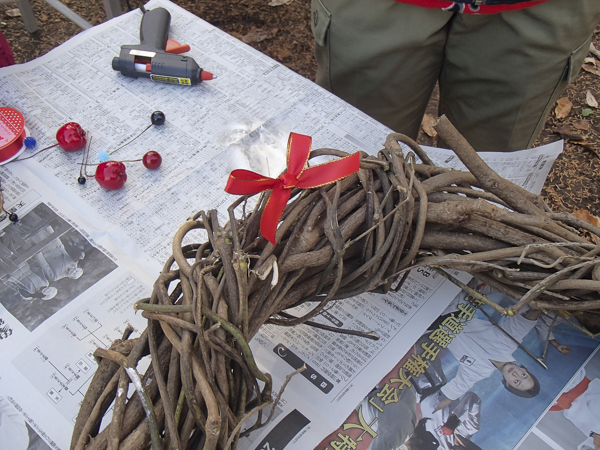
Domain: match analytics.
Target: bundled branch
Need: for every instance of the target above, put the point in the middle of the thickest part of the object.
(360, 234)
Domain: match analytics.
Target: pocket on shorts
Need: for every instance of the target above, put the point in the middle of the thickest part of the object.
(572, 68)
(576, 59)
(320, 20)
(569, 74)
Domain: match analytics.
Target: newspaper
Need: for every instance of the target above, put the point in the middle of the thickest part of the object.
(556, 409)
(80, 256)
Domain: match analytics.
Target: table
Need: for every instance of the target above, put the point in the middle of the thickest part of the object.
(121, 238)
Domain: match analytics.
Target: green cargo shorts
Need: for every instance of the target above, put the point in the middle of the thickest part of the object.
(499, 74)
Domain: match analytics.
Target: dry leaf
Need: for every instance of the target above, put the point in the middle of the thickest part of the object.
(591, 69)
(583, 125)
(594, 51)
(590, 99)
(590, 60)
(586, 216)
(563, 107)
(13, 12)
(255, 36)
(566, 132)
(427, 125)
(280, 2)
(283, 53)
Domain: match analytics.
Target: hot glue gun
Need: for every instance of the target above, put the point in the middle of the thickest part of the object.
(156, 56)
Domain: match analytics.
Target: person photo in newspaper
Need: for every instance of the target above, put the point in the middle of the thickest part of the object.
(496, 407)
(388, 418)
(449, 411)
(400, 421)
(580, 403)
(572, 419)
(481, 348)
(29, 284)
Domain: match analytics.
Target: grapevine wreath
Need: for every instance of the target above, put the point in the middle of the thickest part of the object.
(322, 240)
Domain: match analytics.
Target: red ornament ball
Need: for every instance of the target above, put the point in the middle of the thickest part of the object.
(71, 137)
(111, 175)
(152, 160)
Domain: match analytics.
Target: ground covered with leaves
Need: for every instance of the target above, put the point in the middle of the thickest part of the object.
(281, 29)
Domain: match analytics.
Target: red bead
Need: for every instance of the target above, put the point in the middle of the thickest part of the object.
(111, 175)
(152, 160)
(71, 137)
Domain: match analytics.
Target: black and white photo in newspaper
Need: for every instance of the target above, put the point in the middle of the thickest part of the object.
(65, 290)
(45, 264)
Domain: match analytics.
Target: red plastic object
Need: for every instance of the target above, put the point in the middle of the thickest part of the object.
(12, 133)
(204, 75)
(6, 54)
(175, 47)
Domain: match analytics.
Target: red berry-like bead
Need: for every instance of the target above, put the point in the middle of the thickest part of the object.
(152, 160)
(71, 137)
(111, 175)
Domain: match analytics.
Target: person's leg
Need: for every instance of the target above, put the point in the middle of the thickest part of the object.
(381, 56)
(503, 72)
(6, 55)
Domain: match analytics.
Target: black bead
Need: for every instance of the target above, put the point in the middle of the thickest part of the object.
(158, 118)
(81, 180)
(13, 217)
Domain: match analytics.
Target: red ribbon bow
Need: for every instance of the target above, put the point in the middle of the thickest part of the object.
(245, 182)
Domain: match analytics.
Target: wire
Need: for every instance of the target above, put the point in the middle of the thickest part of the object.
(36, 153)
(127, 143)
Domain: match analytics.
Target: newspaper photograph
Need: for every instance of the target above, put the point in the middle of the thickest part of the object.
(573, 420)
(45, 258)
(477, 380)
(65, 291)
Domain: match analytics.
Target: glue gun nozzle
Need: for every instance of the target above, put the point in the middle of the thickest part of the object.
(204, 76)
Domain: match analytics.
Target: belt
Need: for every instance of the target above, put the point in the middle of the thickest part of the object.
(491, 2)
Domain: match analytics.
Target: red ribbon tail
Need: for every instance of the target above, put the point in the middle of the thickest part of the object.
(245, 182)
(298, 151)
(329, 172)
(272, 213)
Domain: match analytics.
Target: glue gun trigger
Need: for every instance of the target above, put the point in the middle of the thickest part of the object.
(175, 47)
